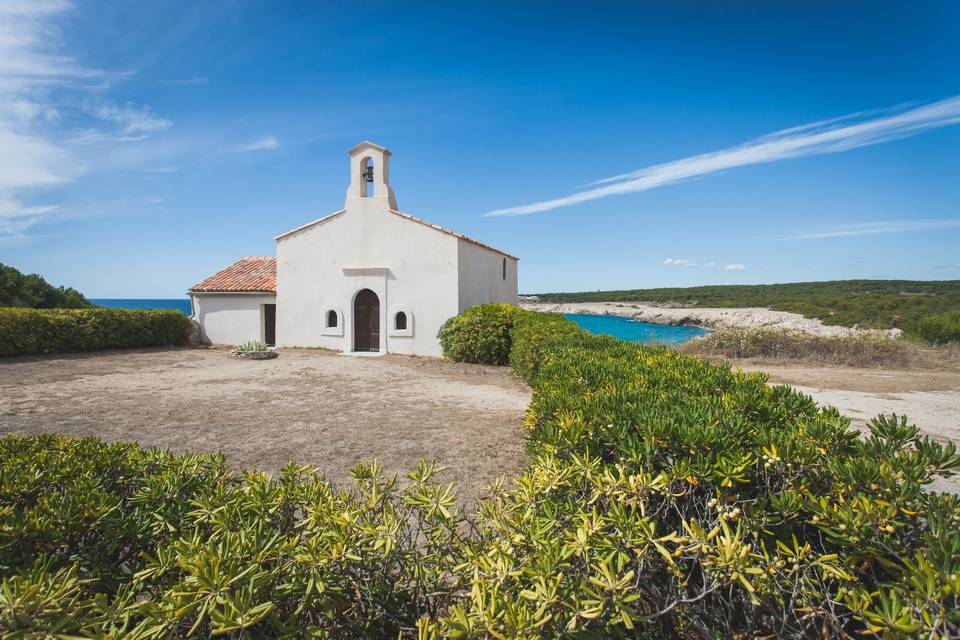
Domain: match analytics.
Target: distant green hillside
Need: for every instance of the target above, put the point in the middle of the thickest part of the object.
(877, 304)
(21, 290)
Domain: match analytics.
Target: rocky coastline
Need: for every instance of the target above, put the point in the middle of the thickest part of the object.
(711, 318)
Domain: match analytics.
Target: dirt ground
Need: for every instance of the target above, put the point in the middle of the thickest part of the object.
(334, 411)
(311, 406)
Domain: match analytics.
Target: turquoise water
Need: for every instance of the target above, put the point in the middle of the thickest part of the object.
(180, 304)
(636, 331)
(623, 328)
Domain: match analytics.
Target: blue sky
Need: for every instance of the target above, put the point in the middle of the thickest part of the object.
(143, 146)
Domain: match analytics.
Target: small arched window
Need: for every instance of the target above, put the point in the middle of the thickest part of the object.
(400, 321)
(331, 319)
(504, 268)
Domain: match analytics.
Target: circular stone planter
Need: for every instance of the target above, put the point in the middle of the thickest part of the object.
(255, 355)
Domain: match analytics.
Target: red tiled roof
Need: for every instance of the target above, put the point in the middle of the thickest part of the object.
(251, 274)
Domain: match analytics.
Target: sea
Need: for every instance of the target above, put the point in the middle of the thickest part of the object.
(623, 328)
(180, 304)
(635, 331)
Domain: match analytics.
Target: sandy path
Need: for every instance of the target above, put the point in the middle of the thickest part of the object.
(314, 407)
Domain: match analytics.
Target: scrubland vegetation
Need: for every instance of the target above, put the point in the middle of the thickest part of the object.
(665, 497)
(867, 350)
(40, 331)
(938, 329)
(21, 290)
(929, 310)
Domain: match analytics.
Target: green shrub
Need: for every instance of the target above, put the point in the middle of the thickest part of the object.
(252, 346)
(666, 497)
(480, 334)
(39, 331)
(670, 497)
(21, 290)
(109, 540)
(537, 336)
(938, 329)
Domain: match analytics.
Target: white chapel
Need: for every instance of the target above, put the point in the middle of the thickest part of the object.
(366, 279)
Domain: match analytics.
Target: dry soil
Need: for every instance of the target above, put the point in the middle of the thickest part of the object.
(310, 406)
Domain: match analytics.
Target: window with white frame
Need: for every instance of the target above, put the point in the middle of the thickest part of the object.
(401, 321)
(332, 322)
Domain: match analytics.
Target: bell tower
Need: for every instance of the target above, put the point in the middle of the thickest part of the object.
(369, 175)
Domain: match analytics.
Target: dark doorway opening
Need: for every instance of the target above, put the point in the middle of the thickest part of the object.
(270, 324)
(366, 321)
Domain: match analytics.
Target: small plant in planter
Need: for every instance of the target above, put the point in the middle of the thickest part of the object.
(254, 350)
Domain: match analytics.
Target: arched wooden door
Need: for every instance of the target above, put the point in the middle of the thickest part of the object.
(366, 321)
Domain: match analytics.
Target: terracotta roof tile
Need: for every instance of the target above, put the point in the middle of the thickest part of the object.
(251, 274)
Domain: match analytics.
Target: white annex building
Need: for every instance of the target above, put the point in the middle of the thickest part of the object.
(368, 278)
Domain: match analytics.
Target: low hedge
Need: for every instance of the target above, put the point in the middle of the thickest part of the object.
(665, 497)
(670, 497)
(39, 331)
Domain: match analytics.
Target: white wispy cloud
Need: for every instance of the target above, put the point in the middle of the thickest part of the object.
(133, 119)
(29, 156)
(874, 228)
(185, 82)
(827, 136)
(683, 262)
(680, 262)
(44, 93)
(266, 143)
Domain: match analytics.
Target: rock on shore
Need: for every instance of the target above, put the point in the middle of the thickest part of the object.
(738, 318)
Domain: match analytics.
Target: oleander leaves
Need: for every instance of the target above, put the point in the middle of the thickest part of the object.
(664, 497)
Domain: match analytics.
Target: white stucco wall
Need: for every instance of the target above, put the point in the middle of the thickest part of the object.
(413, 267)
(231, 318)
(410, 266)
(481, 276)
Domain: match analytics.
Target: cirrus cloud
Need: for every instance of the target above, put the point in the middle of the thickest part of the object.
(683, 262)
(44, 93)
(266, 143)
(826, 136)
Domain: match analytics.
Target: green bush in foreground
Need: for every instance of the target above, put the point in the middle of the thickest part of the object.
(39, 331)
(109, 540)
(665, 497)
